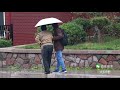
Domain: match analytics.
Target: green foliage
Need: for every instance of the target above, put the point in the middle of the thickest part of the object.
(116, 29)
(109, 28)
(82, 21)
(116, 26)
(75, 32)
(116, 19)
(13, 68)
(49, 28)
(5, 43)
(113, 29)
(100, 21)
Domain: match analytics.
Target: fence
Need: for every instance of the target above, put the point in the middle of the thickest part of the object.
(6, 31)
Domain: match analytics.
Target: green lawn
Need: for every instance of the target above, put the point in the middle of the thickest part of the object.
(113, 44)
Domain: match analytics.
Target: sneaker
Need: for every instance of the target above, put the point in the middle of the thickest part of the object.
(56, 70)
(64, 71)
(47, 72)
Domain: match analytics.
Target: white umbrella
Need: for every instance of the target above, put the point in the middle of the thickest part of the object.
(48, 21)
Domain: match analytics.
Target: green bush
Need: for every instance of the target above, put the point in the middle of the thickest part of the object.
(113, 29)
(75, 32)
(116, 26)
(100, 21)
(116, 29)
(49, 28)
(82, 21)
(5, 43)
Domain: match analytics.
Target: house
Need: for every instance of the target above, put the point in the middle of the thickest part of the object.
(23, 30)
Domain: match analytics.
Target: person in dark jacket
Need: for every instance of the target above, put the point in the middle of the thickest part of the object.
(57, 36)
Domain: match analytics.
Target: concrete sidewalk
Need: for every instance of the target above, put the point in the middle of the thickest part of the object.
(26, 74)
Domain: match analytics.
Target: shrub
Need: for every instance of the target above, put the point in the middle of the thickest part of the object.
(75, 32)
(49, 27)
(100, 21)
(116, 26)
(82, 21)
(113, 29)
(116, 29)
(5, 43)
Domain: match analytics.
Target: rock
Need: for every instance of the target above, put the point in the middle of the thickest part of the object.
(71, 59)
(86, 63)
(19, 60)
(4, 55)
(98, 56)
(67, 63)
(17, 64)
(26, 61)
(1, 57)
(4, 63)
(110, 58)
(26, 66)
(31, 56)
(93, 64)
(83, 57)
(73, 65)
(15, 56)
(90, 60)
(9, 55)
(110, 63)
(82, 63)
(55, 63)
(116, 65)
(10, 61)
(103, 61)
(1, 64)
(95, 59)
(77, 60)
(105, 56)
(23, 56)
(37, 59)
(32, 61)
(118, 57)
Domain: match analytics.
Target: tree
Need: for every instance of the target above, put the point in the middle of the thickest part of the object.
(99, 23)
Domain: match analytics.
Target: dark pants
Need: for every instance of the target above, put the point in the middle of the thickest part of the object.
(47, 55)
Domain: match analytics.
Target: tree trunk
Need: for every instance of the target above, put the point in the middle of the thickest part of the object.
(98, 33)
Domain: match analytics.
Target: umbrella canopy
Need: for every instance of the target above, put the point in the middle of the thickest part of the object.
(48, 21)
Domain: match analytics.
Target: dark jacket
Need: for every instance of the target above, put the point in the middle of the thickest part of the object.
(57, 35)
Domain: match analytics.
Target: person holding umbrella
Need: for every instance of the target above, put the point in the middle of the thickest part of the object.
(57, 36)
(44, 39)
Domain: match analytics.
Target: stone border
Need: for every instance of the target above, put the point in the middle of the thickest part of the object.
(26, 58)
(100, 52)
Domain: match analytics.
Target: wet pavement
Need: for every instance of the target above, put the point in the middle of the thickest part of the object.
(73, 74)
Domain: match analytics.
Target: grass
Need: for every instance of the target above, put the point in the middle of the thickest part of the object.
(113, 45)
(109, 44)
(33, 46)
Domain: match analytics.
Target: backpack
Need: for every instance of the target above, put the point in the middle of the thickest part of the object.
(64, 40)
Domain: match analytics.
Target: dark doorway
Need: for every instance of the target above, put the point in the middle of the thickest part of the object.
(1, 18)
